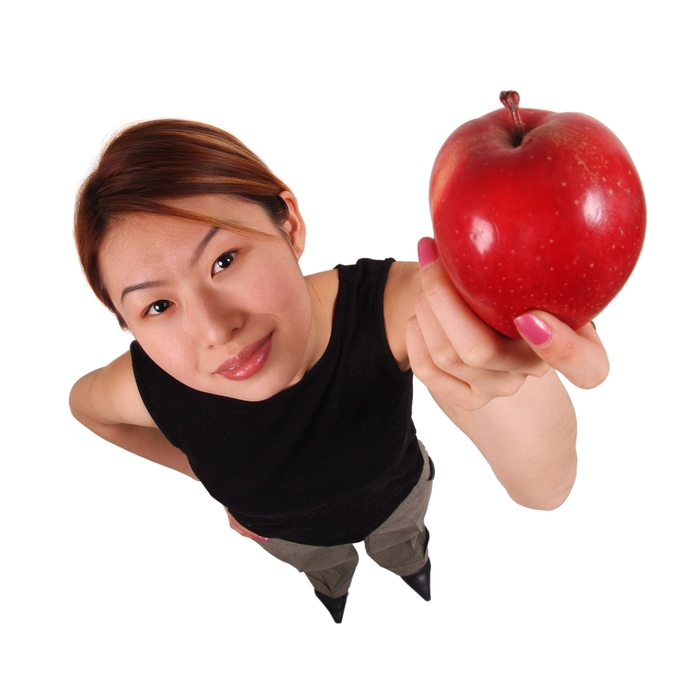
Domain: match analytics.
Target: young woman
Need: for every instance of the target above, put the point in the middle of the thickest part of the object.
(289, 397)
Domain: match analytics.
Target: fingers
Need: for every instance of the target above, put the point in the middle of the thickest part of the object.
(578, 355)
(457, 342)
(455, 334)
(471, 387)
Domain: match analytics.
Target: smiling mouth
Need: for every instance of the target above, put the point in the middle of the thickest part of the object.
(248, 362)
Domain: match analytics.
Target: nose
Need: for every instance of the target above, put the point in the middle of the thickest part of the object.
(213, 321)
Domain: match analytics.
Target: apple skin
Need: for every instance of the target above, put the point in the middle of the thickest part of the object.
(555, 222)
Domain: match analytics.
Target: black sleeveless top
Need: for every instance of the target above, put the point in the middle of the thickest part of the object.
(325, 461)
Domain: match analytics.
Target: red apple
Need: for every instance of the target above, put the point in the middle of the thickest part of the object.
(536, 210)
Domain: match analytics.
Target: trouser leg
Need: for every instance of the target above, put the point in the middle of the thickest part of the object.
(400, 544)
(330, 569)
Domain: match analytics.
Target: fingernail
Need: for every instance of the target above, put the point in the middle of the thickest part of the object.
(533, 329)
(427, 252)
(264, 539)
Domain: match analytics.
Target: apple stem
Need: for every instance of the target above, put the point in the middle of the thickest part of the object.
(511, 100)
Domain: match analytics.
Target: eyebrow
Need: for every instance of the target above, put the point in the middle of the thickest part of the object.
(157, 283)
(141, 285)
(203, 244)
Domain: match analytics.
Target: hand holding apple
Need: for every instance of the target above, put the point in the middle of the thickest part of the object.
(536, 210)
(500, 391)
(467, 363)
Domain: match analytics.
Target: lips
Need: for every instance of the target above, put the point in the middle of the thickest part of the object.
(248, 362)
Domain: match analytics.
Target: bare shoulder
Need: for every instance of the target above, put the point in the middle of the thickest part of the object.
(109, 395)
(324, 285)
(323, 288)
(402, 287)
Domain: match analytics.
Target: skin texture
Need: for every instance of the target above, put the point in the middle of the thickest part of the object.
(194, 300)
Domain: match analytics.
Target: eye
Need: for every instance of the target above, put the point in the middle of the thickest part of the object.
(158, 307)
(223, 261)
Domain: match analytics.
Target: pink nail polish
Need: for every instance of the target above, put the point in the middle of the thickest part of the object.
(427, 252)
(533, 329)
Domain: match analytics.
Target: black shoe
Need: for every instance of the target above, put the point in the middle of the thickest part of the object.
(420, 581)
(335, 606)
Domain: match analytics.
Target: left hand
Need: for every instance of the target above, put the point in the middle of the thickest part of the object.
(467, 363)
(235, 525)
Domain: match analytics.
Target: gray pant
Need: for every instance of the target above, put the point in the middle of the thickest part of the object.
(399, 544)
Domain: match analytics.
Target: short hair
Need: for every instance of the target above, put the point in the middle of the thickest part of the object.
(149, 163)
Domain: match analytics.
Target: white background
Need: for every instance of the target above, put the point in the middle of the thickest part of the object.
(121, 579)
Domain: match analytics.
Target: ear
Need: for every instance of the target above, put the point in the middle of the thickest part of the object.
(294, 226)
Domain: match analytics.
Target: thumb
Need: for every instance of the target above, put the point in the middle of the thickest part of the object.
(578, 355)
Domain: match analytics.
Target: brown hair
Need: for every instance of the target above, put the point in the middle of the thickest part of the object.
(149, 163)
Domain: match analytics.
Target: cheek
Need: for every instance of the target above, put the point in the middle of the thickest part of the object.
(278, 289)
(172, 354)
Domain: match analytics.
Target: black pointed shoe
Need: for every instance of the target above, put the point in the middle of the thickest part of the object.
(335, 606)
(420, 581)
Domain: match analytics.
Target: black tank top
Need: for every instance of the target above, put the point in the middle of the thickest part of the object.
(323, 462)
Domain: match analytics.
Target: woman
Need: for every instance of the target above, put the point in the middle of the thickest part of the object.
(288, 396)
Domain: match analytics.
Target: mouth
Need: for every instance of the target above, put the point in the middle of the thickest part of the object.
(248, 362)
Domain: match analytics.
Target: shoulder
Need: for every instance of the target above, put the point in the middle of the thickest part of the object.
(402, 288)
(324, 284)
(110, 395)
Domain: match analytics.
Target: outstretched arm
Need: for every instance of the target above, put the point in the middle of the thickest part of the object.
(504, 394)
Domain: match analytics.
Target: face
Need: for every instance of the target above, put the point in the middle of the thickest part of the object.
(223, 312)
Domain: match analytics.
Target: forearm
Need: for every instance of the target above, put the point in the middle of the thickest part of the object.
(529, 439)
(149, 443)
(503, 393)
